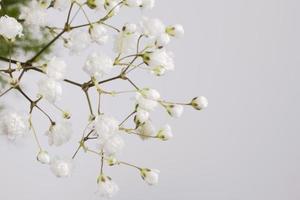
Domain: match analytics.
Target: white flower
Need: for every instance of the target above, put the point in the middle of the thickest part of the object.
(59, 133)
(98, 33)
(125, 43)
(162, 40)
(175, 110)
(160, 61)
(13, 125)
(106, 127)
(148, 4)
(106, 187)
(145, 104)
(142, 115)
(199, 103)
(149, 93)
(129, 28)
(61, 4)
(10, 28)
(150, 176)
(56, 68)
(77, 41)
(97, 65)
(133, 3)
(147, 130)
(152, 27)
(50, 89)
(176, 30)
(43, 157)
(61, 167)
(112, 145)
(165, 133)
(33, 14)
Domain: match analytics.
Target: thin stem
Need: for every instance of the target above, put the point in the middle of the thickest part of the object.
(168, 102)
(130, 165)
(132, 83)
(99, 103)
(6, 91)
(40, 109)
(130, 115)
(73, 82)
(70, 11)
(89, 102)
(47, 46)
(34, 134)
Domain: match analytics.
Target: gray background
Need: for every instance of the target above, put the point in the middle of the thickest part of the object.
(242, 55)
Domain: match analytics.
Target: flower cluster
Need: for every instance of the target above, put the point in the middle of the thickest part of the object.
(140, 45)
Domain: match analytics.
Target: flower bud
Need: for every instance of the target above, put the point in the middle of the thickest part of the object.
(150, 94)
(150, 176)
(43, 157)
(61, 167)
(199, 103)
(175, 30)
(165, 133)
(175, 110)
(112, 161)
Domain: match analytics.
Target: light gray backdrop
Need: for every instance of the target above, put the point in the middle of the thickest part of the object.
(242, 55)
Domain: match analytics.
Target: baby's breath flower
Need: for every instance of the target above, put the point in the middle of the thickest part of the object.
(97, 65)
(129, 28)
(59, 133)
(142, 115)
(149, 93)
(56, 68)
(106, 127)
(61, 167)
(13, 124)
(77, 41)
(125, 43)
(33, 14)
(150, 176)
(43, 157)
(144, 103)
(147, 130)
(98, 33)
(175, 110)
(152, 27)
(165, 133)
(50, 89)
(199, 103)
(175, 30)
(106, 187)
(112, 145)
(10, 28)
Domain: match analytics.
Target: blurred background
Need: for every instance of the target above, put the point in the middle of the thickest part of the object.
(243, 56)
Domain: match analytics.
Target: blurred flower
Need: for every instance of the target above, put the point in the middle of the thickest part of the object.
(10, 28)
(59, 133)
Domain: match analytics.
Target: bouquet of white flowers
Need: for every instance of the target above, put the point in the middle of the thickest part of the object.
(27, 37)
